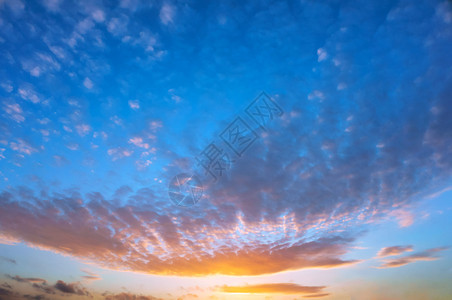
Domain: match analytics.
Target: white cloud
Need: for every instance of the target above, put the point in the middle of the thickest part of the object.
(134, 104)
(52, 5)
(7, 86)
(155, 125)
(72, 147)
(316, 95)
(174, 97)
(29, 94)
(98, 15)
(117, 153)
(322, 54)
(16, 6)
(15, 112)
(143, 164)
(43, 121)
(88, 83)
(116, 120)
(138, 141)
(167, 13)
(118, 26)
(84, 26)
(22, 147)
(83, 129)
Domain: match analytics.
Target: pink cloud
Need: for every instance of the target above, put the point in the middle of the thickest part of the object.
(15, 112)
(404, 217)
(138, 141)
(83, 129)
(167, 13)
(394, 250)
(22, 146)
(117, 153)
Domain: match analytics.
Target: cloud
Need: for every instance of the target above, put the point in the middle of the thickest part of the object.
(273, 288)
(72, 146)
(316, 295)
(60, 286)
(5, 292)
(322, 54)
(88, 83)
(427, 255)
(52, 5)
(334, 164)
(405, 218)
(117, 153)
(28, 280)
(8, 260)
(16, 6)
(167, 13)
(83, 229)
(27, 93)
(134, 104)
(22, 146)
(155, 125)
(14, 111)
(118, 26)
(98, 15)
(71, 288)
(138, 141)
(128, 296)
(394, 250)
(91, 276)
(83, 129)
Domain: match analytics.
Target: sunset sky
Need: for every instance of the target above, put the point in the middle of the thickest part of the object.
(225, 149)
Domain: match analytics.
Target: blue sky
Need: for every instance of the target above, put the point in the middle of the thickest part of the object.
(102, 103)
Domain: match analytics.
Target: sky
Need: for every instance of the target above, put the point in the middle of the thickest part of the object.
(225, 149)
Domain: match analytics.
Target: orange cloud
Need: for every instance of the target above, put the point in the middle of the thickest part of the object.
(316, 295)
(273, 288)
(126, 238)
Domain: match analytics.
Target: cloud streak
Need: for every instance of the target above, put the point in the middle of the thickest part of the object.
(394, 250)
(427, 255)
(274, 288)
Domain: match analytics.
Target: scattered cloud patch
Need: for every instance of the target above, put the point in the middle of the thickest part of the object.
(117, 153)
(322, 54)
(134, 104)
(394, 250)
(22, 146)
(88, 83)
(167, 13)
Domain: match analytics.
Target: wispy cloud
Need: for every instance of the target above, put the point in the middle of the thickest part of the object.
(273, 288)
(134, 104)
(88, 83)
(23, 146)
(167, 13)
(427, 255)
(117, 153)
(394, 250)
